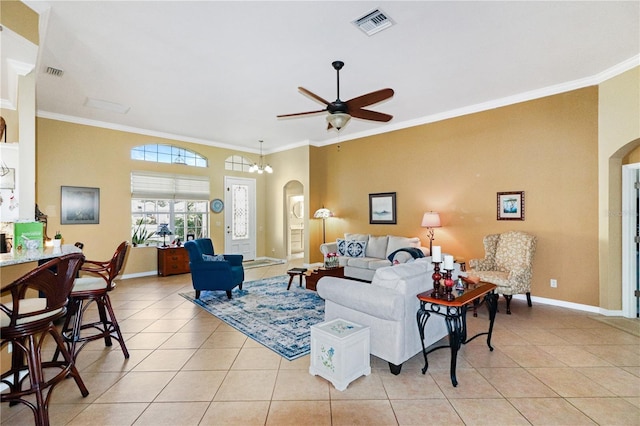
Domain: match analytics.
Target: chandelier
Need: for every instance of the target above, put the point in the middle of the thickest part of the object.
(260, 168)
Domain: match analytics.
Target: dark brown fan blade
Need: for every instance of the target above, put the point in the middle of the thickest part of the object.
(301, 113)
(369, 99)
(313, 95)
(370, 115)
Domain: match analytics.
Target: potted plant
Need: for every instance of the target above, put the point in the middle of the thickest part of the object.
(57, 240)
(140, 233)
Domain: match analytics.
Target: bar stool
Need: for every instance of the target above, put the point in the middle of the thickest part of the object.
(95, 287)
(26, 322)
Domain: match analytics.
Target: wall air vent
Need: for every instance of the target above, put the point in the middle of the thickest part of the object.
(55, 71)
(373, 22)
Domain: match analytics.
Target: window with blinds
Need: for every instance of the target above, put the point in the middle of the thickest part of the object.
(169, 186)
(180, 201)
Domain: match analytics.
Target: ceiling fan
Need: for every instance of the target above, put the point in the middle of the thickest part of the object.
(340, 112)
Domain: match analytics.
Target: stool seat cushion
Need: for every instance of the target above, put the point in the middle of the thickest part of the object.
(26, 306)
(89, 284)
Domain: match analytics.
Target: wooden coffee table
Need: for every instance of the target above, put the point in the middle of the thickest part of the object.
(455, 313)
(313, 277)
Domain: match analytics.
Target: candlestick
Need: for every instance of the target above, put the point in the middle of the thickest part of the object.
(448, 284)
(436, 255)
(436, 279)
(448, 262)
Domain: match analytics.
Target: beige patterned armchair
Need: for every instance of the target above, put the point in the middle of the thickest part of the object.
(508, 263)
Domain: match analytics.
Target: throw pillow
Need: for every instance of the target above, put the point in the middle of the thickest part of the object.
(396, 243)
(213, 258)
(351, 248)
(377, 246)
(400, 257)
(356, 248)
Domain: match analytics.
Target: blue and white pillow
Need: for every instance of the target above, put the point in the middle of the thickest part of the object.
(213, 258)
(342, 246)
(356, 248)
(351, 248)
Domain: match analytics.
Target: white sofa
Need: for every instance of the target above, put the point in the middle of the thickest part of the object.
(376, 252)
(388, 305)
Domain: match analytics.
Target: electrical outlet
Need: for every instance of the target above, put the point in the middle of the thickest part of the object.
(554, 283)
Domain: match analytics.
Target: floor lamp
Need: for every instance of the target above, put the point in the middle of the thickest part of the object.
(323, 214)
(431, 220)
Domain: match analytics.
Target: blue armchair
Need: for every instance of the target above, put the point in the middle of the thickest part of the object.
(213, 275)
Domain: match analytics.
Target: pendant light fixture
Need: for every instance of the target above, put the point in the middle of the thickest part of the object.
(260, 168)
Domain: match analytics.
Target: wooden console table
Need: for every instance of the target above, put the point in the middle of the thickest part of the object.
(173, 260)
(312, 279)
(455, 314)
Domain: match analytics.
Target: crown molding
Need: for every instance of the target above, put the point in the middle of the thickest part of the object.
(19, 57)
(131, 129)
(458, 112)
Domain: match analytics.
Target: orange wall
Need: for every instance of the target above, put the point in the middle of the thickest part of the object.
(546, 147)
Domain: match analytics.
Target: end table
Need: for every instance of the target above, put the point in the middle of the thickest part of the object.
(455, 314)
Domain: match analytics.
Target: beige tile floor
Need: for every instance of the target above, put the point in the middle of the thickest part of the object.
(550, 366)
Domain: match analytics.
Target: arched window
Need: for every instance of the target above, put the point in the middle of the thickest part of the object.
(169, 154)
(237, 163)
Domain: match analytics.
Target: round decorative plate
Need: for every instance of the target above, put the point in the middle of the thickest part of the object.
(217, 205)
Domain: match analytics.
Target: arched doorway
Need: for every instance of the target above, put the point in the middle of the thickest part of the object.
(294, 225)
(631, 230)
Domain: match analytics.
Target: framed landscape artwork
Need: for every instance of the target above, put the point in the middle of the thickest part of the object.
(382, 208)
(79, 205)
(511, 205)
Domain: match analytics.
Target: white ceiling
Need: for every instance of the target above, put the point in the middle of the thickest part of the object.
(218, 72)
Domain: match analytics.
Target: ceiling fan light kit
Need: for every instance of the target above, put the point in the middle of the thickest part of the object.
(340, 112)
(338, 120)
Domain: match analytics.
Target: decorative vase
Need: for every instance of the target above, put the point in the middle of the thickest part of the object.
(57, 243)
(331, 261)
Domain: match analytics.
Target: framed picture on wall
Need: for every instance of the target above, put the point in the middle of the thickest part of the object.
(79, 205)
(382, 208)
(511, 205)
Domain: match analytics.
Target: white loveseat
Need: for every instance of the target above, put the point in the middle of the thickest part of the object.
(363, 266)
(388, 305)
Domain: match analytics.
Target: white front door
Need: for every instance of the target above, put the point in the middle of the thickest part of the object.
(240, 216)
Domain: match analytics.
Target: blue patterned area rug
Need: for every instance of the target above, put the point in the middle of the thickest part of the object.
(264, 310)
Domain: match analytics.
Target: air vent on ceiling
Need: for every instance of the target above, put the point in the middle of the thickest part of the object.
(55, 71)
(373, 22)
(107, 106)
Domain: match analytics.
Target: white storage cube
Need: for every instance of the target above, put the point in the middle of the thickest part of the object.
(339, 352)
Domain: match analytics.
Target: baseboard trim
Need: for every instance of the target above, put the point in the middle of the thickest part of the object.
(139, 274)
(571, 305)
